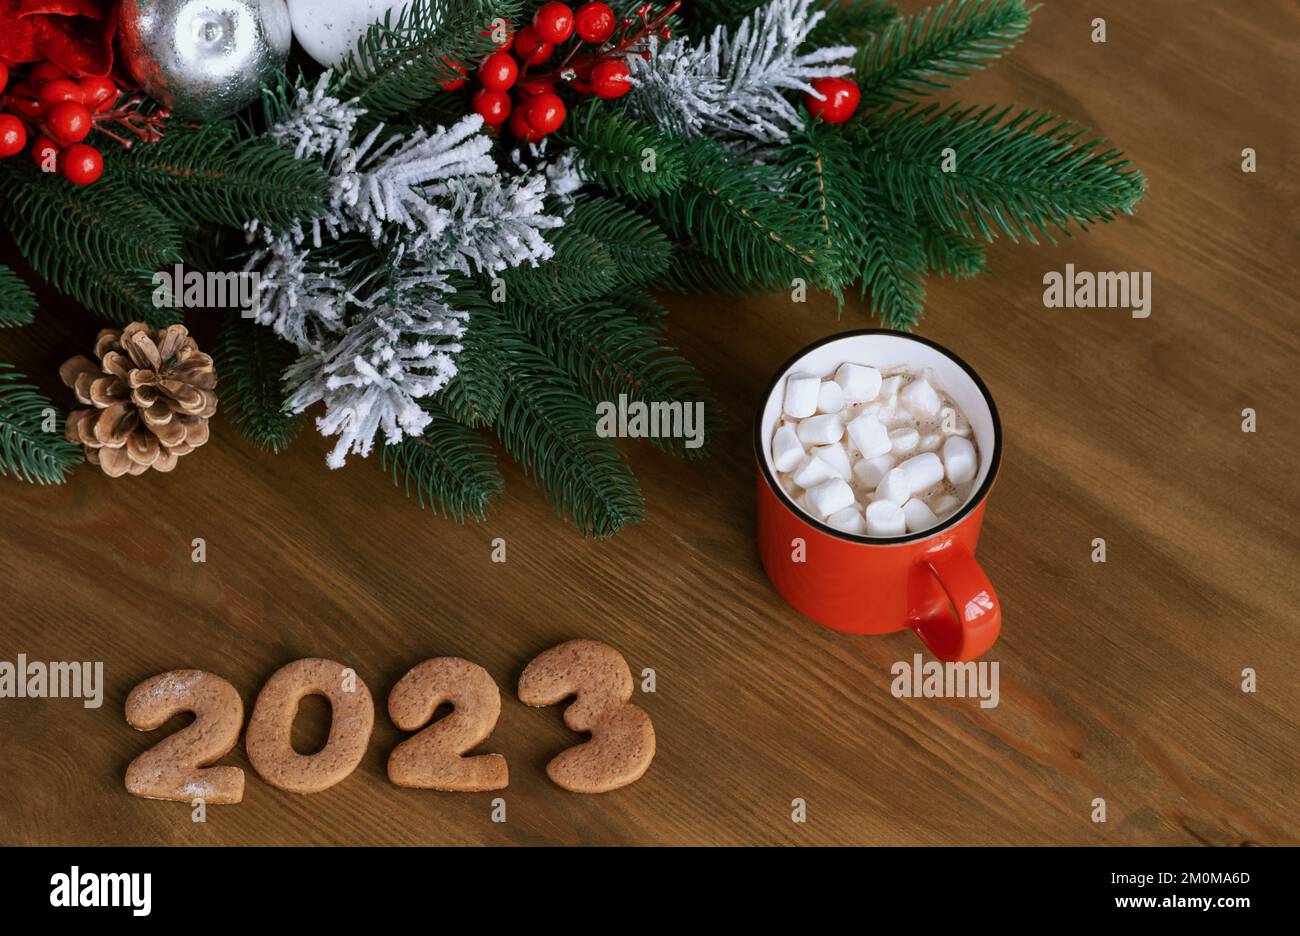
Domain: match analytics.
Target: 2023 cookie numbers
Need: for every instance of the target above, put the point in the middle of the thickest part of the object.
(595, 675)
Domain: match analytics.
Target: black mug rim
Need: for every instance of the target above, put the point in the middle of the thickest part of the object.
(971, 502)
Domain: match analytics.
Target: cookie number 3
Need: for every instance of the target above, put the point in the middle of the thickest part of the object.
(622, 737)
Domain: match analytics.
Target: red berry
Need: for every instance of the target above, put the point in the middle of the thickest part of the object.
(57, 90)
(99, 94)
(493, 106)
(553, 22)
(531, 48)
(30, 109)
(519, 127)
(13, 135)
(609, 79)
(45, 153)
(544, 113)
(45, 71)
(501, 34)
(842, 97)
(81, 164)
(595, 22)
(527, 89)
(498, 71)
(69, 123)
(457, 80)
(4, 76)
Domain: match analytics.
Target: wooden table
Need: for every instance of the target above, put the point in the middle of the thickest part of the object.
(1119, 680)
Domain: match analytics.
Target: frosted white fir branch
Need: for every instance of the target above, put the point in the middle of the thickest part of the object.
(733, 82)
(372, 378)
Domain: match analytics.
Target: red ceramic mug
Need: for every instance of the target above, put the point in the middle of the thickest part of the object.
(928, 581)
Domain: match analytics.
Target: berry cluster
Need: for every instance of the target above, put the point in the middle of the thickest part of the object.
(58, 112)
(592, 62)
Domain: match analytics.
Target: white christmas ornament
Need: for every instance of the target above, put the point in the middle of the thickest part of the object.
(329, 32)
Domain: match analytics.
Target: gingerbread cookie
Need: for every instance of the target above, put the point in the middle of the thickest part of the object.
(434, 759)
(622, 737)
(174, 769)
(267, 740)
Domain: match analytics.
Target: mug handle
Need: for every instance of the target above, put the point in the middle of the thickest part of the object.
(968, 628)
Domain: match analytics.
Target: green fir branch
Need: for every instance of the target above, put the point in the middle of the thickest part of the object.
(402, 62)
(952, 255)
(706, 15)
(611, 353)
(549, 426)
(623, 155)
(27, 450)
(732, 210)
(644, 306)
(478, 391)
(211, 173)
(100, 244)
(893, 266)
(827, 181)
(1023, 174)
(17, 302)
(918, 55)
(450, 469)
(250, 360)
(851, 22)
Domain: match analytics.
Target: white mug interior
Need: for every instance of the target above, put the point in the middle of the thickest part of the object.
(884, 349)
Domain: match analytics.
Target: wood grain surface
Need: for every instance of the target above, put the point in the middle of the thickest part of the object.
(1119, 680)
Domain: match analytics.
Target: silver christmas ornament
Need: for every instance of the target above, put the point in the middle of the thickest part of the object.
(204, 59)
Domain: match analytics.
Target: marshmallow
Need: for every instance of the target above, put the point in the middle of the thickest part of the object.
(944, 504)
(959, 459)
(894, 486)
(821, 430)
(812, 472)
(801, 391)
(888, 395)
(918, 516)
(858, 382)
(924, 471)
(903, 441)
(885, 518)
(837, 456)
(830, 398)
(920, 398)
(870, 471)
(952, 422)
(848, 520)
(829, 497)
(869, 436)
(787, 451)
(931, 442)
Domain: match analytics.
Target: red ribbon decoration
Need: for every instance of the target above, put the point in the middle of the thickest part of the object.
(76, 35)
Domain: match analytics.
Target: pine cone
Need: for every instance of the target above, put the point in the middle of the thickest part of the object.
(152, 393)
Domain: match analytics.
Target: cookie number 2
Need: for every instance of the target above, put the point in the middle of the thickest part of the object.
(622, 737)
(434, 759)
(174, 768)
